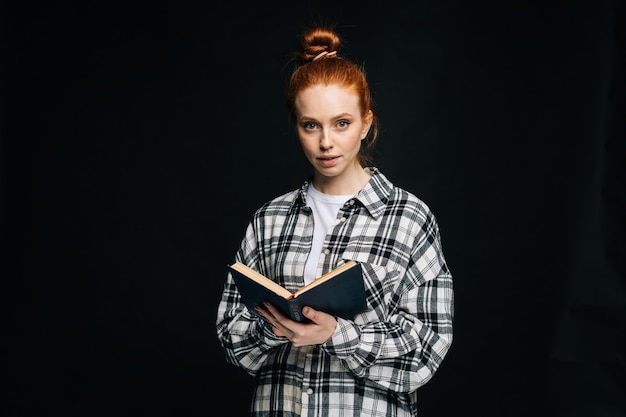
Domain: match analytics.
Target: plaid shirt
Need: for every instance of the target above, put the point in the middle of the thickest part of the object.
(374, 363)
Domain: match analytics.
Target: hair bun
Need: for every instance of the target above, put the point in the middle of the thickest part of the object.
(317, 43)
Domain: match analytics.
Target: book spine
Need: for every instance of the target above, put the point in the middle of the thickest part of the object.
(294, 307)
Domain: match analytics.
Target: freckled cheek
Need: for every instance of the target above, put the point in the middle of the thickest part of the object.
(310, 148)
(309, 141)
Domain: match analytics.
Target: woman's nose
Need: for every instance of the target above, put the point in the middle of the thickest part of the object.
(325, 141)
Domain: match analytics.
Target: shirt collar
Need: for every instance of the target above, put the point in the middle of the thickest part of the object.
(374, 196)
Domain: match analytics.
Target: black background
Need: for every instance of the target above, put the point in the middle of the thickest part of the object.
(138, 139)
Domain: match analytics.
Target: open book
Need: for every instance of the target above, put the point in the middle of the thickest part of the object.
(340, 292)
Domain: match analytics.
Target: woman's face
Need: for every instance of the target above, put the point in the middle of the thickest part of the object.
(330, 129)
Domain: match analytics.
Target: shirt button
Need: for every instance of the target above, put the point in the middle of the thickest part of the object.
(326, 251)
(309, 391)
(343, 219)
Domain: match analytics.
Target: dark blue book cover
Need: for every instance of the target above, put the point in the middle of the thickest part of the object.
(340, 292)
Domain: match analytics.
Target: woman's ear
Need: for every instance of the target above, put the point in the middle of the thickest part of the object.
(367, 123)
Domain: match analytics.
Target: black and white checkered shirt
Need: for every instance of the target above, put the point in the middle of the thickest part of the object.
(374, 363)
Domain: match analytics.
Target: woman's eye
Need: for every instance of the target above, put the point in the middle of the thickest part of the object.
(343, 123)
(308, 125)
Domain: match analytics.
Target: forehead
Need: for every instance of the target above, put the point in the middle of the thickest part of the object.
(326, 100)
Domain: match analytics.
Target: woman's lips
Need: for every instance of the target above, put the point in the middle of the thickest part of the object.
(328, 161)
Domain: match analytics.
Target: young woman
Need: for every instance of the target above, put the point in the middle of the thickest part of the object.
(373, 363)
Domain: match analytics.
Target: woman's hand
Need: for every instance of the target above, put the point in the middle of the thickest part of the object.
(318, 330)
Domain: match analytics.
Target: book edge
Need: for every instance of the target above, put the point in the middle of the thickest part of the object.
(261, 279)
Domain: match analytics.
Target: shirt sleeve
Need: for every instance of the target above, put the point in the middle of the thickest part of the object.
(246, 338)
(404, 346)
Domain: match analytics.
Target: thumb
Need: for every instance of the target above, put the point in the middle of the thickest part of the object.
(309, 313)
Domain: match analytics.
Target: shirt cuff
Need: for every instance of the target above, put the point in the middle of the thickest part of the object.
(344, 342)
(267, 335)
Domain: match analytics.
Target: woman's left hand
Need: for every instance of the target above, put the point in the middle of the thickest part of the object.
(317, 330)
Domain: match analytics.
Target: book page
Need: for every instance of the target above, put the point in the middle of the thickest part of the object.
(261, 279)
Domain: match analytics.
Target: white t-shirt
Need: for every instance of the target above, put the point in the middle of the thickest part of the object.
(325, 209)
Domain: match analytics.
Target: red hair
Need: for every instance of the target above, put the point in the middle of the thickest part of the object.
(331, 69)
